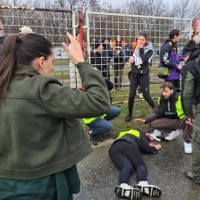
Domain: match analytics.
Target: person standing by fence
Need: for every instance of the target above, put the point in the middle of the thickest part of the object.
(170, 58)
(120, 56)
(139, 74)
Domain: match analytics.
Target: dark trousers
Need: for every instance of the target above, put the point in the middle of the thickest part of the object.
(143, 82)
(168, 125)
(118, 75)
(127, 158)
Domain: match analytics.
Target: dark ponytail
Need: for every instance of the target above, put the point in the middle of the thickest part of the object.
(8, 62)
(20, 50)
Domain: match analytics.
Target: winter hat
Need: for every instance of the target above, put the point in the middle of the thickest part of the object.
(25, 30)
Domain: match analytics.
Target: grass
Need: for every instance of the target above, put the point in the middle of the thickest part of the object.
(61, 62)
(141, 109)
(120, 98)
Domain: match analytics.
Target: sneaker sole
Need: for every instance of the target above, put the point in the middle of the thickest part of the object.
(189, 175)
(150, 190)
(132, 194)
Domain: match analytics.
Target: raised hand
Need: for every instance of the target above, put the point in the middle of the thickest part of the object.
(75, 53)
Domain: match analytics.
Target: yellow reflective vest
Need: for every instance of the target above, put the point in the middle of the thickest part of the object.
(131, 132)
(90, 120)
(178, 107)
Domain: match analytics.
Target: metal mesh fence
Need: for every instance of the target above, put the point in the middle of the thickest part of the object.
(106, 25)
(54, 24)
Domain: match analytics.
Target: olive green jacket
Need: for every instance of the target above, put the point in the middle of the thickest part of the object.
(40, 130)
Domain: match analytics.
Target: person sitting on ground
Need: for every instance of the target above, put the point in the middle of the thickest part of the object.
(125, 153)
(168, 116)
(101, 125)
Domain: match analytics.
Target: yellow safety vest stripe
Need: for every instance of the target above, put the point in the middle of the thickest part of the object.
(90, 120)
(131, 132)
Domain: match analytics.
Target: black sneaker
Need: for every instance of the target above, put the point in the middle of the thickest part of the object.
(149, 190)
(128, 118)
(132, 194)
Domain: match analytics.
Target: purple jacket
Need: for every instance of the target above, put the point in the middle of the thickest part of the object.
(169, 57)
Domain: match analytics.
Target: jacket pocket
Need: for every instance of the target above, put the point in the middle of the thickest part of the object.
(75, 134)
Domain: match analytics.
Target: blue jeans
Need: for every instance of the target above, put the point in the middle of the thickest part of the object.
(100, 125)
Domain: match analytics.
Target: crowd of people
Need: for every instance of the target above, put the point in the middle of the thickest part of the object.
(172, 111)
(42, 135)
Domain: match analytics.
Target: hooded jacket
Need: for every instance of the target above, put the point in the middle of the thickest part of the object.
(41, 133)
(169, 58)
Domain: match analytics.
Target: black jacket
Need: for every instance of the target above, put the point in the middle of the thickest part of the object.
(102, 61)
(141, 143)
(164, 108)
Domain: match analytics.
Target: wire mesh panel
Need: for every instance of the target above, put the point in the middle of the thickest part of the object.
(53, 24)
(101, 31)
(101, 26)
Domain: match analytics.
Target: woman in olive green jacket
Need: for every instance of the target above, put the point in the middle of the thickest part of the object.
(41, 137)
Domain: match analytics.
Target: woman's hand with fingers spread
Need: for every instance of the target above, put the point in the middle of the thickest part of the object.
(75, 53)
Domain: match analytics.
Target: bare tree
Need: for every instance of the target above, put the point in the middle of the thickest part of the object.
(146, 7)
(181, 9)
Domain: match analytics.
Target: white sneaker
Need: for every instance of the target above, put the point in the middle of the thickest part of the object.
(172, 135)
(156, 134)
(128, 192)
(187, 147)
(125, 186)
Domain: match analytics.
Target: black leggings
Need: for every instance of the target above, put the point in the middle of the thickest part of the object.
(127, 158)
(144, 82)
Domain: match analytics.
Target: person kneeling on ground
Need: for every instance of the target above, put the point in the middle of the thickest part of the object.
(168, 116)
(125, 153)
(100, 125)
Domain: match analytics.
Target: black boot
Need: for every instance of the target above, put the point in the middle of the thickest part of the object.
(128, 118)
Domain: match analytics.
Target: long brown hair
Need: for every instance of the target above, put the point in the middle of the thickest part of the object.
(20, 50)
